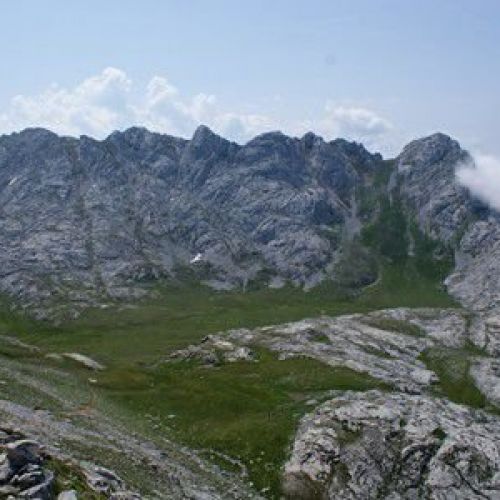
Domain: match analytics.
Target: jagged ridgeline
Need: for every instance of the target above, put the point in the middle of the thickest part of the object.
(86, 222)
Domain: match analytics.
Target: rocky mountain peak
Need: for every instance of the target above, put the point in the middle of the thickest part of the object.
(310, 140)
(204, 137)
(435, 149)
(107, 216)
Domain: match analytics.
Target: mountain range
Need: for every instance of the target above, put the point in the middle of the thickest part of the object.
(84, 222)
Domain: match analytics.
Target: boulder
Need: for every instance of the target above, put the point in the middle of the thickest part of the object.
(376, 445)
(67, 495)
(23, 452)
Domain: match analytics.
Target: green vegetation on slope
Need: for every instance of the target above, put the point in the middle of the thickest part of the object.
(246, 410)
(240, 410)
(70, 478)
(455, 382)
(388, 234)
(183, 315)
(396, 325)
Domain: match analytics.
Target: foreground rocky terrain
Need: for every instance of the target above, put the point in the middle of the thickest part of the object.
(394, 446)
(409, 443)
(26, 473)
(57, 434)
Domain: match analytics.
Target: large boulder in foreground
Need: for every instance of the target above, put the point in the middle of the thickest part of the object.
(376, 445)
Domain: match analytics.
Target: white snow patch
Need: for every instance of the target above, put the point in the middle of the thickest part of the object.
(196, 258)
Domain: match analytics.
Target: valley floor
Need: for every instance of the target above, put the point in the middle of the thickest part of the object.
(176, 413)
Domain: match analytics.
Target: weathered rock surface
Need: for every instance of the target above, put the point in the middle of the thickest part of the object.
(486, 375)
(426, 179)
(85, 361)
(25, 473)
(85, 221)
(396, 446)
(67, 495)
(385, 344)
(22, 474)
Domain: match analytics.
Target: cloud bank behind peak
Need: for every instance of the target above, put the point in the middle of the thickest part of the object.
(111, 100)
(482, 178)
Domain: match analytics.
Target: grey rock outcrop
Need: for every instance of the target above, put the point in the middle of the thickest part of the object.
(384, 344)
(426, 180)
(22, 474)
(67, 495)
(396, 446)
(85, 222)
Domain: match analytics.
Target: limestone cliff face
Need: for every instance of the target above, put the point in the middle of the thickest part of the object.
(82, 221)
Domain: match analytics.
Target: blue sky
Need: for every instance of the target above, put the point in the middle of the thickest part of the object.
(379, 71)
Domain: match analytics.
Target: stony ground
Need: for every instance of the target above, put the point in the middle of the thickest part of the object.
(397, 446)
(385, 344)
(61, 415)
(410, 442)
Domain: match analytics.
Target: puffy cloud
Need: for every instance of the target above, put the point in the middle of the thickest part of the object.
(110, 100)
(354, 123)
(482, 178)
(95, 106)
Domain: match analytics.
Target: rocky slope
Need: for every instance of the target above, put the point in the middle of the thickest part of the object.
(84, 221)
(64, 436)
(394, 446)
(385, 344)
(446, 211)
(409, 442)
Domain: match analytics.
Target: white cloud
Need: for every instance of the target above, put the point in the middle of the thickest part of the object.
(354, 123)
(110, 100)
(482, 177)
(95, 106)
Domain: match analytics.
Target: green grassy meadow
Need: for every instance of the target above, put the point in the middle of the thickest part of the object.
(239, 413)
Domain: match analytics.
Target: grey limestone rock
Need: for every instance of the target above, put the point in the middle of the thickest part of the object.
(385, 344)
(375, 445)
(85, 221)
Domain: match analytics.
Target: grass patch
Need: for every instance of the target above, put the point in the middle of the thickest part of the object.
(377, 352)
(245, 411)
(322, 338)
(183, 315)
(248, 411)
(395, 325)
(439, 433)
(455, 382)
